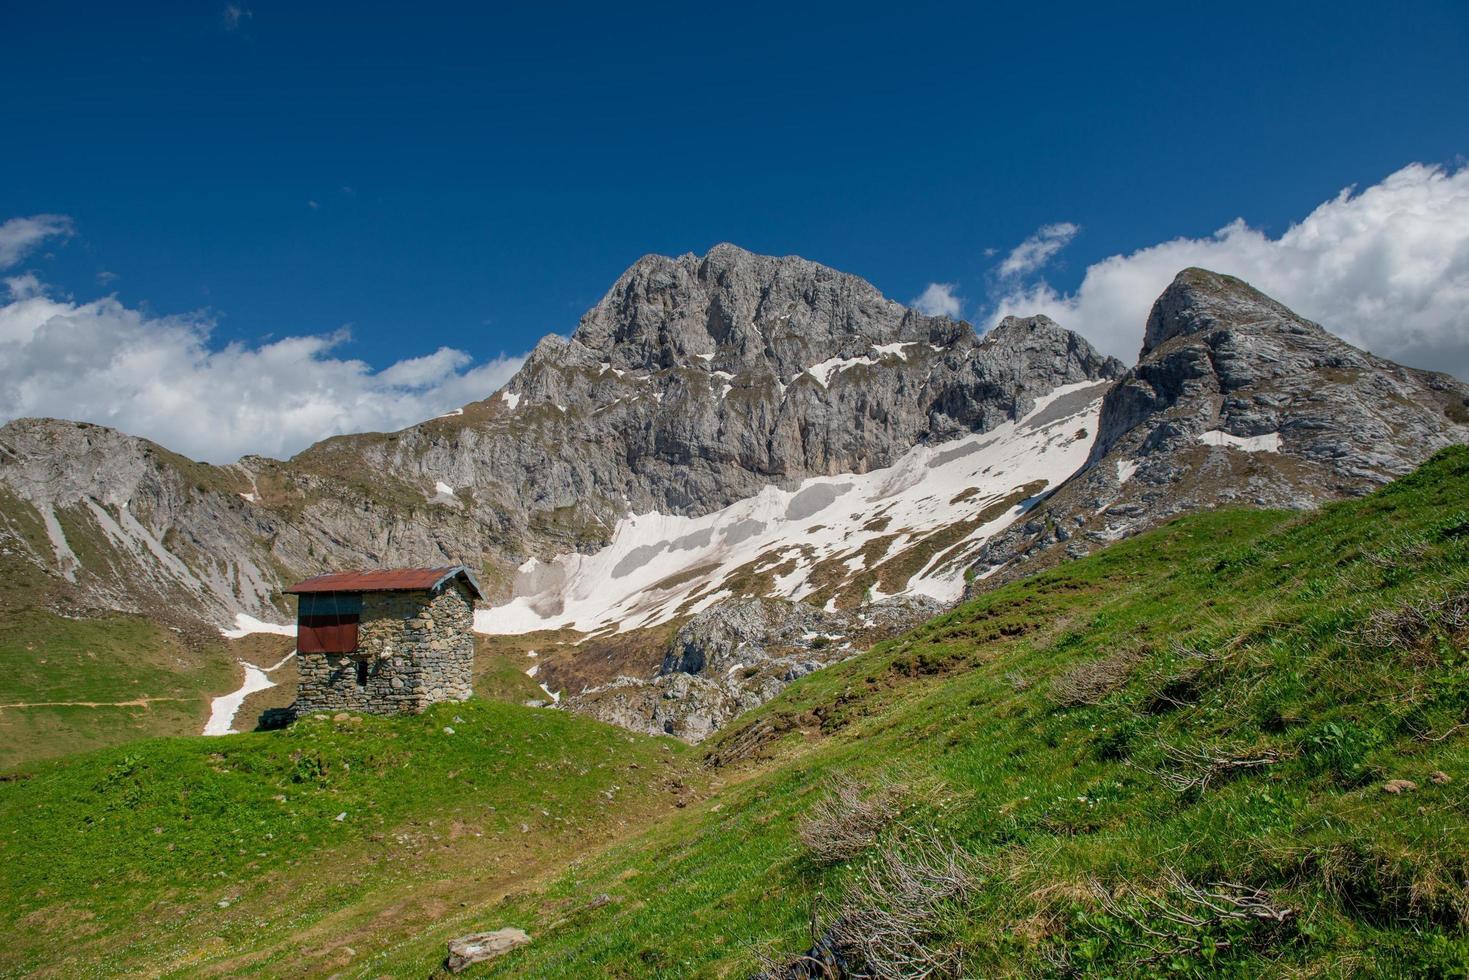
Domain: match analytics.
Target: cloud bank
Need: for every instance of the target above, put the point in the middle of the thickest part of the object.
(1386, 268)
(159, 376)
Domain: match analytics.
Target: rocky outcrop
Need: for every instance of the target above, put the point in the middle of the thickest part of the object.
(737, 655)
(481, 947)
(1235, 400)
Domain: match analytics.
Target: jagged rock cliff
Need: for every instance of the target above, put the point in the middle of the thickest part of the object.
(1235, 399)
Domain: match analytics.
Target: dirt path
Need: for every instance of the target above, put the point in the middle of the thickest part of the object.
(135, 703)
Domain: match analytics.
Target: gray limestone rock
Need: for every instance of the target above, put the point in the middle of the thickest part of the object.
(479, 947)
(737, 655)
(1235, 400)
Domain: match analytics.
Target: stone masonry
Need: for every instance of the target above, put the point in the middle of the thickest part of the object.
(418, 650)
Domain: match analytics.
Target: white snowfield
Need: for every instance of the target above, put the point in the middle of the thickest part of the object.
(246, 624)
(1268, 443)
(659, 566)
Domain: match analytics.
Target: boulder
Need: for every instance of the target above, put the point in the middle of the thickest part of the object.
(478, 947)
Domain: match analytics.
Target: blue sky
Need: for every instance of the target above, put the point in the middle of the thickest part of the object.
(434, 174)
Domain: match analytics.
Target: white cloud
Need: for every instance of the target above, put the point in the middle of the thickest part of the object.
(938, 300)
(19, 236)
(234, 15)
(1037, 250)
(1387, 269)
(159, 377)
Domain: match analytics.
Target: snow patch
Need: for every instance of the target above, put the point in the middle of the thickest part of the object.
(451, 413)
(245, 624)
(834, 365)
(821, 519)
(444, 488)
(222, 710)
(1125, 469)
(1268, 443)
(511, 399)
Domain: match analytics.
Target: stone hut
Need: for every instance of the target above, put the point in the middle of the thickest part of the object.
(390, 641)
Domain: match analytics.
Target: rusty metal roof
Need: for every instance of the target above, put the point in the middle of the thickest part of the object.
(388, 580)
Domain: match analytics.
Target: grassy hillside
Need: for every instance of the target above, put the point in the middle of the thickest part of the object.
(307, 850)
(1236, 745)
(73, 684)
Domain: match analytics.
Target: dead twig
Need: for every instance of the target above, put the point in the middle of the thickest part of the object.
(1193, 769)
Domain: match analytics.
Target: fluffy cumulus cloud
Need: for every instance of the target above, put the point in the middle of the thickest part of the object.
(160, 377)
(1387, 268)
(1037, 250)
(938, 300)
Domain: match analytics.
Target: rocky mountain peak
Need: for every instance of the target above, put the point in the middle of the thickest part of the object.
(1236, 399)
(1199, 300)
(742, 311)
(1039, 345)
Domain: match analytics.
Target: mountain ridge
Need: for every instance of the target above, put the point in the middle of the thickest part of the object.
(694, 384)
(701, 416)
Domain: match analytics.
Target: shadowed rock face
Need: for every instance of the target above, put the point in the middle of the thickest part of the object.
(693, 383)
(1236, 399)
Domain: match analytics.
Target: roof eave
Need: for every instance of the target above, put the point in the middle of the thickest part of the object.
(456, 572)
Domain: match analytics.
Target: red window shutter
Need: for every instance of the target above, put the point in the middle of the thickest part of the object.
(347, 635)
(327, 634)
(309, 638)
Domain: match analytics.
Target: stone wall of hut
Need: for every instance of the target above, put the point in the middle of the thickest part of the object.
(418, 650)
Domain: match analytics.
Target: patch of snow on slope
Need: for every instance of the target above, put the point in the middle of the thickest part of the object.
(444, 488)
(833, 365)
(511, 399)
(246, 624)
(222, 710)
(1125, 469)
(622, 586)
(1268, 443)
(451, 413)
